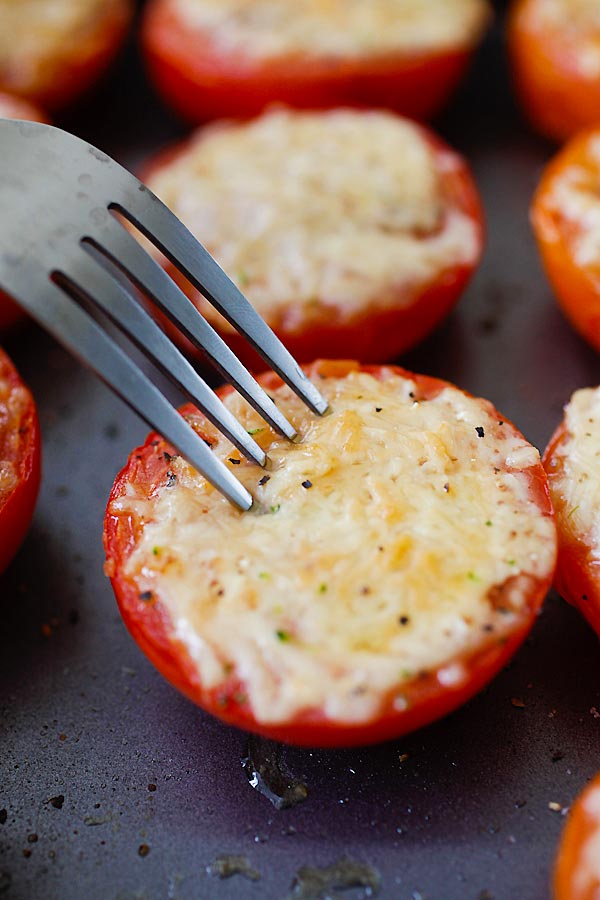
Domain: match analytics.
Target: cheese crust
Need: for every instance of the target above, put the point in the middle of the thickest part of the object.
(574, 197)
(575, 483)
(320, 216)
(396, 538)
(13, 402)
(39, 37)
(265, 29)
(573, 25)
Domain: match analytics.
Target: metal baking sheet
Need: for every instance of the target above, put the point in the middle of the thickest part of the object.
(112, 785)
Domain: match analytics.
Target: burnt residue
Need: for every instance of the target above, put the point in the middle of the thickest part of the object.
(269, 775)
(312, 883)
(226, 866)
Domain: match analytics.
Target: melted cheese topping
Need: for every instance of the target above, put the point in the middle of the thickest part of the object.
(389, 541)
(574, 23)
(337, 28)
(575, 196)
(578, 485)
(12, 404)
(309, 211)
(38, 36)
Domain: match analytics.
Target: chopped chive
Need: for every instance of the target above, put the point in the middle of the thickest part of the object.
(276, 508)
(322, 588)
(489, 523)
(252, 431)
(283, 635)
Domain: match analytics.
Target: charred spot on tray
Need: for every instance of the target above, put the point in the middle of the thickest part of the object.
(228, 865)
(3, 816)
(57, 802)
(143, 850)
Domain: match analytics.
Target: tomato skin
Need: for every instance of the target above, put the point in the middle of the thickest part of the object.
(80, 66)
(558, 97)
(577, 286)
(16, 508)
(373, 335)
(577, 578)
(201, 82)
(149, 623)
(573, 879)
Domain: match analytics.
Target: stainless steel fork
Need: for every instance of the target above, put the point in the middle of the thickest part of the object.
(61, 242)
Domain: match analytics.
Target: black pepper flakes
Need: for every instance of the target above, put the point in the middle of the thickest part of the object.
(378, 408)
(307, 484)
(264, 480)
(171, 478)
(146, 596)
(234, 462)
(480, 431)
(404, 620)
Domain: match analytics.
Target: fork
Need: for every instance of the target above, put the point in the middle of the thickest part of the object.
(63, 248)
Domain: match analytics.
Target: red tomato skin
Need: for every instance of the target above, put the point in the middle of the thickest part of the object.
(150, 626)
(16, 509)
(375, 335)
(577, 578)
(577, 287)
(572, 878)
(200, 82)
(558, 98)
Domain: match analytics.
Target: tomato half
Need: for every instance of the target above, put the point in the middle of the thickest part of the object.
(564, 213)
(15, 108)
(19, 460)
(201, 80)
(396, 312)
(577, 872)
(551, 46)
(63, 52)
(427, 694)
(577, 577)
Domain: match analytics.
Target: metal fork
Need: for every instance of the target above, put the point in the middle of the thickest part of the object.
(60, 242)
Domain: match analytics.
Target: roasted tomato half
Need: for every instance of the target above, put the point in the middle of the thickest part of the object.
(571, 462)
(566, 221)
(15, 108)
(352, 233)
(555, 51)
(577, 873)
(218, 58)
(393, 560)
(19, 460)
(51, 53)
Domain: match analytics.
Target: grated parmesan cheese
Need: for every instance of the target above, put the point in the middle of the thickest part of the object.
(578, 483)
(310, 212)
(411, 546)
(38, 36)
(338, 28)
(574, 24)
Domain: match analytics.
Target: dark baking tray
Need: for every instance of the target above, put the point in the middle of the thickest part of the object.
(113, 785)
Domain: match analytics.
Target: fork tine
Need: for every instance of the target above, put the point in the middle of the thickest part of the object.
(127, 254)
(89, 277)
(172, 238)
(84, 338)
